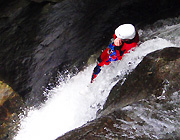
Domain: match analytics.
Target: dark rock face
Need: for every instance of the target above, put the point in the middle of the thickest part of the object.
(17, 41)
(39, 1)
(158, 69)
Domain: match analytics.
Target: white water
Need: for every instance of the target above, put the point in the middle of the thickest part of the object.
(159, 122)
(75, 102)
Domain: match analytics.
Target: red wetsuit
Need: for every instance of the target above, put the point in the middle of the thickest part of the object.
(120, 50)
(114, 53)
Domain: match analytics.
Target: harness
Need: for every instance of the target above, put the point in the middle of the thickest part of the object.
(112, 52)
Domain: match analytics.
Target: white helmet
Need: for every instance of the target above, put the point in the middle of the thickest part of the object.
(125, 31)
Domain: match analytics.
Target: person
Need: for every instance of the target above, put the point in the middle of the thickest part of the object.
(125, 38)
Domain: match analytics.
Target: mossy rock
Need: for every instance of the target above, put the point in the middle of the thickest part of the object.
(10, 103)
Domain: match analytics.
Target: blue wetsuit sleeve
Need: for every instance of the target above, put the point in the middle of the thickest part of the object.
(111, 47)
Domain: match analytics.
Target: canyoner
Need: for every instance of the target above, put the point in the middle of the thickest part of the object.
(125, 38)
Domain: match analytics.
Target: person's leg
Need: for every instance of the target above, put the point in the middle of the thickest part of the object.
(96, 71)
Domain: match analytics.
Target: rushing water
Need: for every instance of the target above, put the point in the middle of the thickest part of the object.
(76, 101)
(155, 119)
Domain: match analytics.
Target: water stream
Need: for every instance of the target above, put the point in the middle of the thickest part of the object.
(76, 101)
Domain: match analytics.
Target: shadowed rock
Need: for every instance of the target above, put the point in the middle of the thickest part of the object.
(39, 1)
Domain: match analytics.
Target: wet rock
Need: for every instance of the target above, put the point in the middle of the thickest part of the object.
(96, 130)
(18, 38)
(10, 103)
(157, 75)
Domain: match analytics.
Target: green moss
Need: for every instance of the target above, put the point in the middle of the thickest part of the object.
(10, 103)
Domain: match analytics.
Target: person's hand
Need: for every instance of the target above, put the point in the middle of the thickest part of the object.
(118, 42)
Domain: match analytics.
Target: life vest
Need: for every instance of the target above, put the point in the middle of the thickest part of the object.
(114, 53)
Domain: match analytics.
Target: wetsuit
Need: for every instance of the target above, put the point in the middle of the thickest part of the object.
(114, 53)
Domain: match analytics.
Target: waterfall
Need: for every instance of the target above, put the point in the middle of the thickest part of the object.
(76, 101)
